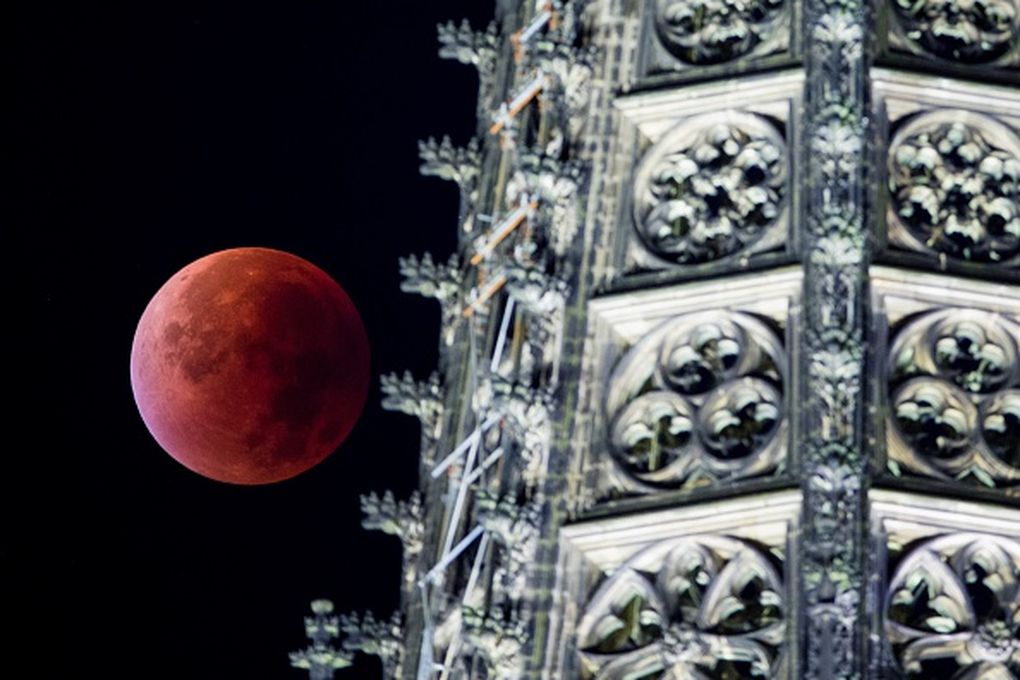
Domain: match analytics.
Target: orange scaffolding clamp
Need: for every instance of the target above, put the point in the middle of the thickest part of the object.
(503, 229)
(508, 110)
(483, 295)
(519, 38)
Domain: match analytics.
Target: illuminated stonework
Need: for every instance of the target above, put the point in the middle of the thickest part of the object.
(954, 178)
(710, 187)
(955, 397)
(704, 606)
(712, 31)
(954, 601)
(729, 382)
(949, 599)
(700, 396)
(968, 31)
(700, 591)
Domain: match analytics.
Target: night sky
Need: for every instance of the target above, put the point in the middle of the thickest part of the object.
(148, 135)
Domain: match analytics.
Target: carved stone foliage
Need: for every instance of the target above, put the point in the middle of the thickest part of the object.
(537, 290)
(444, 160)
(556, 186)
(320, 658)
(455, 164)
(526, 415)
(952, 609)
(421, 399)
(425, 277)
(700, 398)
(568, 85)
(440, 281)
(835, 121)
(695, 607)
(701, 32)
(965, 31)
(954, 181)
(397, 518)
(476, 48)
(402, 519)
(497, 642)
(511, 524)
(384, 639)
(954, 384)
(514, 527)
(713, 186)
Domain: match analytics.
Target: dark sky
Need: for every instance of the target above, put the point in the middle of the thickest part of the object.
(147, 135)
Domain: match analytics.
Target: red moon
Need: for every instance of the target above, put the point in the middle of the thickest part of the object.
(250, 366)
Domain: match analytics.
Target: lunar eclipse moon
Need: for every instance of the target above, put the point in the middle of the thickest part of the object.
(250, 366)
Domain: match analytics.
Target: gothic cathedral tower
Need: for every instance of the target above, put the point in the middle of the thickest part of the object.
(729, 384)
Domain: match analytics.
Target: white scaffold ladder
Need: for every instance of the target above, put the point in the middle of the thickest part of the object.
(467, 449)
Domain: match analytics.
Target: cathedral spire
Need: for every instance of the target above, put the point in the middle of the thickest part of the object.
(730, 359)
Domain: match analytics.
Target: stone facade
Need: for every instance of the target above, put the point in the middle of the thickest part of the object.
(729, 383)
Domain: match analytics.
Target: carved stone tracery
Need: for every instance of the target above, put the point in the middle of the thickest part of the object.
(703, 32)
(966, 31)
(954, 180)
(713, 186)
(954, 383)
(952, 609)
(705, 399)
(699, 398)
(695, 607)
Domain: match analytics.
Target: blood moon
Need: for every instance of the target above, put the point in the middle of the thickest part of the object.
(250, 366)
